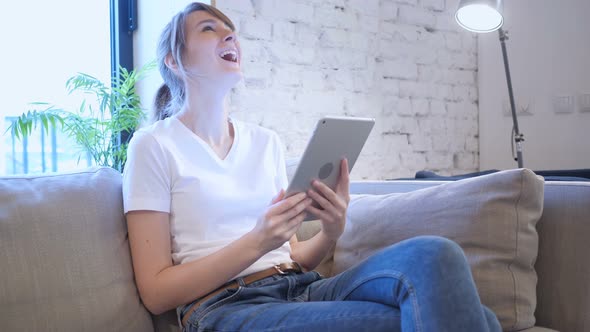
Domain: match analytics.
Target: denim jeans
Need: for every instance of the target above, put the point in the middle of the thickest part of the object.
(420, 284)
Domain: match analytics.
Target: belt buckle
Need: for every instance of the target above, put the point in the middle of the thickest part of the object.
(280, 270)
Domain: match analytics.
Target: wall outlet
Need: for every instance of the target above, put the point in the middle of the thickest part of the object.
(563, 104)
(584, 102)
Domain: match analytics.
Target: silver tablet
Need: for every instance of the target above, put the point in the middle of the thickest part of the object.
(333, 139)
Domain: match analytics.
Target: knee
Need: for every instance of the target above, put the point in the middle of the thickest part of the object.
(436, 249)
(438, 243)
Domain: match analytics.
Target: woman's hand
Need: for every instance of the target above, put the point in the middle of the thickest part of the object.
(281, 220)
(333, 203)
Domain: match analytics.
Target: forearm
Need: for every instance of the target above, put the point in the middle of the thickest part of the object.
(310, 253)
(183, 283)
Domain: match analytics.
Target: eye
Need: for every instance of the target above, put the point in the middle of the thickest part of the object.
(208, 28)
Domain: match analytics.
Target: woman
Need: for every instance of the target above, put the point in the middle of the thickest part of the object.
(213, 235)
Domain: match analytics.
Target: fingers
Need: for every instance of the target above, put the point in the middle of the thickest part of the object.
(333, 202)
(290, 220)
(343, 185)
(327, 205)
(295, 222)
(286, 204)
(328, 194)
(297, 209)
(319, 213)
(293, 209)
(278, 197)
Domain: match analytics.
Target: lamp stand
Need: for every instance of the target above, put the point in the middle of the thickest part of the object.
(518, 137)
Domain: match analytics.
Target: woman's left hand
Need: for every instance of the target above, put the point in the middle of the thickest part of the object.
(333, 203)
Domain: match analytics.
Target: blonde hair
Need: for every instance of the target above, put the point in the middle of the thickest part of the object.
(170, 96)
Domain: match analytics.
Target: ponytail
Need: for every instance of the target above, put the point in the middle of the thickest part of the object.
(162, 103)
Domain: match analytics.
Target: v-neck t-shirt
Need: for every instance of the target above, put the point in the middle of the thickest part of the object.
(211, 201)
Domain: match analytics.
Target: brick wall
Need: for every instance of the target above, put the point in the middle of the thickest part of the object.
(404, 62)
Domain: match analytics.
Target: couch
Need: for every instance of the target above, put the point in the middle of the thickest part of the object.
(65, 262)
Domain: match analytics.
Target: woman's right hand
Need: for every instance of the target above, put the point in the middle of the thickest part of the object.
(281, 220)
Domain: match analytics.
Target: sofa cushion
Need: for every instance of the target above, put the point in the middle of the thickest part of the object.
(64, 254)
(492, 217)
(538, 329)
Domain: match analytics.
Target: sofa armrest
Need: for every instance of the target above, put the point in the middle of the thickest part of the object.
(563, 267)
(388, 187)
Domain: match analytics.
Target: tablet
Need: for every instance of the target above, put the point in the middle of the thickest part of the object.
(333, 139)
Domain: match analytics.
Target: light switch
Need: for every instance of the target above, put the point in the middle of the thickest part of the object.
(584, 102)
(563, 104)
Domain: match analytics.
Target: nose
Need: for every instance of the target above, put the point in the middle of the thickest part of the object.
(231, 36)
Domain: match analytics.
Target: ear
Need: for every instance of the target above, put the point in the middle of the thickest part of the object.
(171, 63)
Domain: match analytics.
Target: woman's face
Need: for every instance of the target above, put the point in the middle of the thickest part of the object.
(212, 50)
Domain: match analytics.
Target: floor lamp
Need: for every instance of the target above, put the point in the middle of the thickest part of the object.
(486, 16)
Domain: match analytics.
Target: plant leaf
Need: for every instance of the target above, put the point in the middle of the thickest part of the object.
(96, 131)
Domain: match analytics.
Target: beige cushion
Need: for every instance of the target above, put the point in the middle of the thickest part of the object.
(538, 329)
(64, 255)
(491, 217)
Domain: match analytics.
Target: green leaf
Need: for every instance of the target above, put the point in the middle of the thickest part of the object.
(95, 131)
(82, 106)
(44, 122)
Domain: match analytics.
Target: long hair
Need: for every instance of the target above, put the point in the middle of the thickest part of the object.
(170, 96)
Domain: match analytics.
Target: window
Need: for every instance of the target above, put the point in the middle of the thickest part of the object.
(55, 41)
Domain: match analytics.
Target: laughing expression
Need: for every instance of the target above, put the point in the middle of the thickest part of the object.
(230, 54)
(211, 49)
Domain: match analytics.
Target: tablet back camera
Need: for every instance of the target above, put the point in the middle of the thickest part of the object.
(325, 171)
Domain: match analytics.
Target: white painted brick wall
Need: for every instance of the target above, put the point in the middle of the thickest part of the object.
(255, 29)
(404, 62)
(416, 15)
(435, 5)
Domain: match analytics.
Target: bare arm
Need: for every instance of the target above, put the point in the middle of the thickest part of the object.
(161, 284)
(310, 253)
(164, 286)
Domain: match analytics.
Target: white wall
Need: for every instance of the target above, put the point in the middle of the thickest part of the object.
(549, 55)
(404, 62)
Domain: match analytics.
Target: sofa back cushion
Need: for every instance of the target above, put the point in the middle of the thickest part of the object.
(64, 255)
(492, 217)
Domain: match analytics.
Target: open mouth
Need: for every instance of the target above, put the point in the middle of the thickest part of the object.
(229, 55)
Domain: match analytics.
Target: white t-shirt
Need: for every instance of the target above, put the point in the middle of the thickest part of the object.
(211, 201)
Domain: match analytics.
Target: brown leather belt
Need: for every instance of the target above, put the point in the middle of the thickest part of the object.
(283, 268)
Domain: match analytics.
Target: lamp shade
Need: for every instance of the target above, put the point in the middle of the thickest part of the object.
(480, 15)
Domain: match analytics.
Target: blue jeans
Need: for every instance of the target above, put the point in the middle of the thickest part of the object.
(421, 284)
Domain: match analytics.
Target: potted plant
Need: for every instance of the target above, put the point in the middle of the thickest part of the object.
(102, 132)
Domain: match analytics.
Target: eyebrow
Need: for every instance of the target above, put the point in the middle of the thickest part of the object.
(209, 20)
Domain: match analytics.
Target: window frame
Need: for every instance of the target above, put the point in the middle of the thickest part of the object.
(123, 20)
(123, 24)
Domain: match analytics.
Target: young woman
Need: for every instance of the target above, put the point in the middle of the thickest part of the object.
(213, 235)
